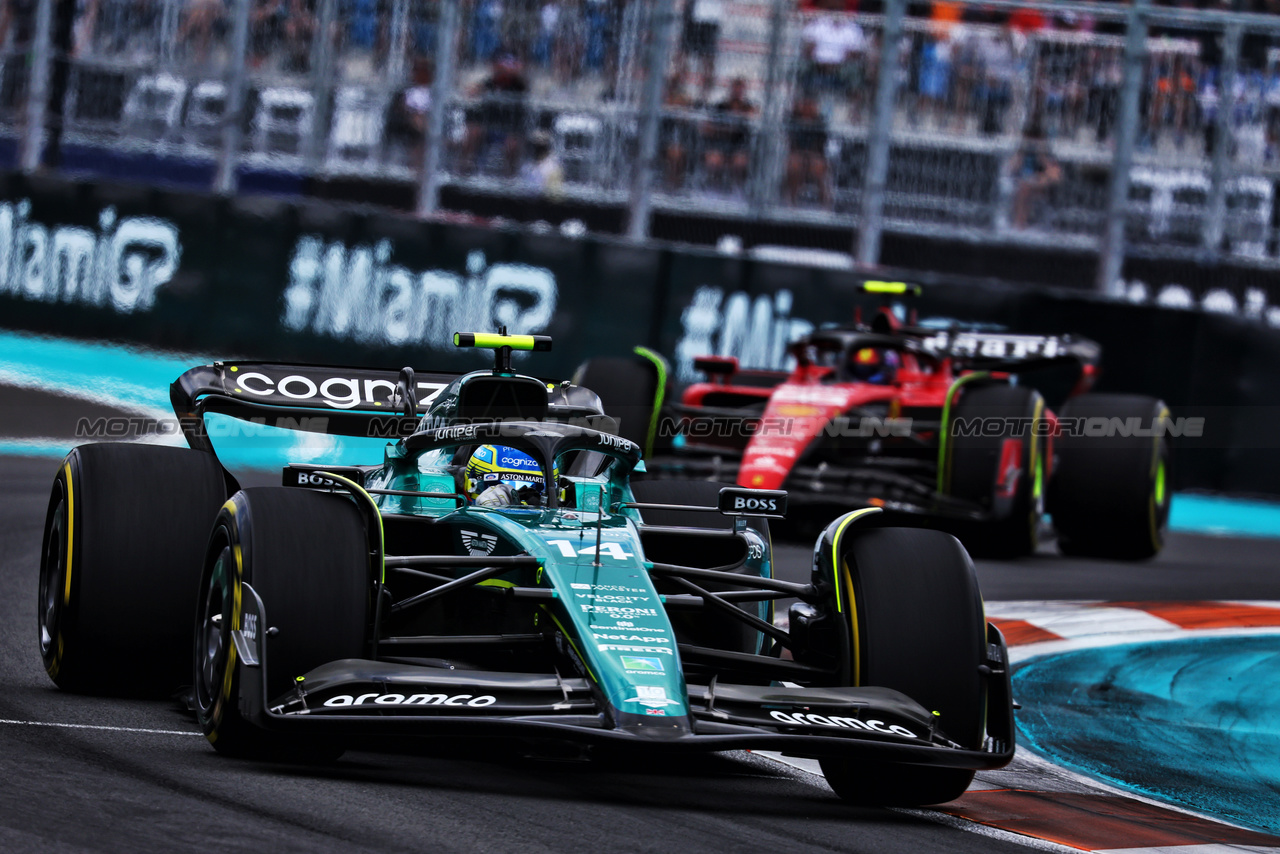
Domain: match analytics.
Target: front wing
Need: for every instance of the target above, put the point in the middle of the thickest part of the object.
(355, 696)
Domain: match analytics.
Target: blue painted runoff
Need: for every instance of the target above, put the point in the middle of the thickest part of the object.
(139, 381)
(1191, 722)
(1211, 514)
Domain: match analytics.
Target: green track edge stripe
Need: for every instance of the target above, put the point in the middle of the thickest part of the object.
(659, 394)
(943, 480)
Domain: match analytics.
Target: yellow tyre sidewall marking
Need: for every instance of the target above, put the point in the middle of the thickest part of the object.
(854, 631)
(224, 696)
(55, 666)
(71, 528)
(844, 578)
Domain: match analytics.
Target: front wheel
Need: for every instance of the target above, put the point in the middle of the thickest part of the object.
(306, 556)
(914, 616)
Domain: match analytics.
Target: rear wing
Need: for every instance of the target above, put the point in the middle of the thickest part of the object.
(725, 370)
(319, 398)
(1002, 351)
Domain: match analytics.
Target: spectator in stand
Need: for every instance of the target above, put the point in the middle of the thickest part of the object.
(1027, 20)
(104, 26)
(966, 72)
(407, 125)
(17, 19)
(1172, 100)
(833, 46)
(361, 22)
(198, 27)
(807, 158)
(543, 172)
(500, 116)
(601, 22)
(548, 25)
(1034, 171)
(997, 56)
(266, 18)
(677, 133)
(1060, 80)
(1106, 73)
(727, 137)
(299, 32)
(486, 29)
(702, 20)
(936, 66)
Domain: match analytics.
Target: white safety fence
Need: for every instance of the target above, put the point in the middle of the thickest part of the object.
(1094, 125)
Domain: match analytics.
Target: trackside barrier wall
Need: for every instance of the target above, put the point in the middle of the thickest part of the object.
(282, 280)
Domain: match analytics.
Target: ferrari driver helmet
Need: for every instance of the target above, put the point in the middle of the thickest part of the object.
(873, 365)
(498, 475)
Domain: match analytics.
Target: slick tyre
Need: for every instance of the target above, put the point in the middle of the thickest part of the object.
(1003, 473)
(120, 564)
(306, 555)
(1110, 495)
(631, 389)
(916, 624)
(706, 628)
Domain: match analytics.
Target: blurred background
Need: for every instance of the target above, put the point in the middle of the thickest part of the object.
(855, 127)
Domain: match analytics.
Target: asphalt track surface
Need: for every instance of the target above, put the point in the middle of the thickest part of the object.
(114, 788)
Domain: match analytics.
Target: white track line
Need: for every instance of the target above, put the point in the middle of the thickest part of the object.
(109, 728)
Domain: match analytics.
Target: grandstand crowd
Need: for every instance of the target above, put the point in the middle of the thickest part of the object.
(541, 83)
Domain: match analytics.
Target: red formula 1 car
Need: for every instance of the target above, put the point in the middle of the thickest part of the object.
(930, 423)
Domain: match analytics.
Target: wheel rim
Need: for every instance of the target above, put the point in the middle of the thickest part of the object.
(213, 633)
(52, 580)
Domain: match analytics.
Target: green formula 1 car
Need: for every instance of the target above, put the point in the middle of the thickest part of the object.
(506, 570)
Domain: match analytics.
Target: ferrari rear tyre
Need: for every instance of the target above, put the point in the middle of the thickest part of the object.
(1109, 496)
(120, 565)
(1001, 471)
(916, 624)
(306, 555)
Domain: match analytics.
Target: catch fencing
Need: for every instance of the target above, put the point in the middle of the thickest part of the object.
(1130, 131)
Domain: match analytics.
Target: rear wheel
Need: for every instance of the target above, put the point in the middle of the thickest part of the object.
(306, 556)
(120, 565)
(631, 389)
(916, 623)
(1110, 495)
(1002, 471)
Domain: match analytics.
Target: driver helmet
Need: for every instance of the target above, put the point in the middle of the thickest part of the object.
(874, 365)
(498, 475)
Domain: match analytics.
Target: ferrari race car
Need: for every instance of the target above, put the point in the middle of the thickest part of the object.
(929, 423)
(501, 573)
